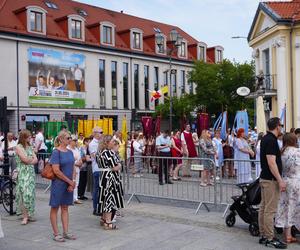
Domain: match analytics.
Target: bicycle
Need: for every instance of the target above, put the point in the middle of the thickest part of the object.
(5, 193)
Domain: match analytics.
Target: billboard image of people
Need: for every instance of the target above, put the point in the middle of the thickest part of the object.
(56, 78)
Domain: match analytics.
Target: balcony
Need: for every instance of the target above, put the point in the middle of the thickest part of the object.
(264, 86)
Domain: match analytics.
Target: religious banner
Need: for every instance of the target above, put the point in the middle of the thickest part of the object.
(202, 122)
(56, 78)
(147, 125)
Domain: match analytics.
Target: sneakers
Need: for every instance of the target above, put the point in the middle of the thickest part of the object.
(275, 243)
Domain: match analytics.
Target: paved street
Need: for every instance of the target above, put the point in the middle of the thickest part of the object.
(144, 226)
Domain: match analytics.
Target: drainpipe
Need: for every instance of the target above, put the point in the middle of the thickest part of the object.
(291, 71)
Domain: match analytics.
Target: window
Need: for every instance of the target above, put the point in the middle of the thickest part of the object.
(36, 21)
(182, 75)
(51, 5)
(182, 50)
(156, 82)
(125, 85)
(219, 56)
(114, 84)
(107, 34)
(102, 82)
(76, 26)
(146, 82)
(136, 40)
(136, 86)
(174, 83)
(191, 88)
(202, 53)
(166, 80)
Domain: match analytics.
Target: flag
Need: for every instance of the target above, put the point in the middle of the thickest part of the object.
(156, 94)
(241, 121)
(224, 126)
(202, 122)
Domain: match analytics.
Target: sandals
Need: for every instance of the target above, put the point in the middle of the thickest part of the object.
(203, 184)
(69, 236)
(102, 222)
(110, 226)
(58, 238)
(291, 240)
(176, 179)
(24, 221)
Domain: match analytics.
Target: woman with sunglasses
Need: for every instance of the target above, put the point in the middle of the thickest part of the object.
(62, 186)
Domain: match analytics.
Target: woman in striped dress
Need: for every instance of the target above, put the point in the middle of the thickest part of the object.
(110, 193)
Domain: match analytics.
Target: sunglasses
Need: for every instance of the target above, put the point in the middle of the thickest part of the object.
(69, 138)
(99, 132)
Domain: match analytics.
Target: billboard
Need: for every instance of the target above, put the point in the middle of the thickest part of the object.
(56, 79)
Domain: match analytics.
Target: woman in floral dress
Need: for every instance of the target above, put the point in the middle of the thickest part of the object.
(25, 190)
(288, 212)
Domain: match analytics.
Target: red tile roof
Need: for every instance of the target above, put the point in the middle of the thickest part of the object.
(286, 10)
(10, 22)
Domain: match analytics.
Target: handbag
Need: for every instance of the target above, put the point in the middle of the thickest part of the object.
(47, 171)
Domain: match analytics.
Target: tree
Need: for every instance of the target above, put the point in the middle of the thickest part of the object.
(216, 86)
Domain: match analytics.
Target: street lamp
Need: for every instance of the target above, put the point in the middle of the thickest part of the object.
(175, 41)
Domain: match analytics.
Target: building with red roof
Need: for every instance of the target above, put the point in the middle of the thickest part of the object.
(62, 55)
(275, 39)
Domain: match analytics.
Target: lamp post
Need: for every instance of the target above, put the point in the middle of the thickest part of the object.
(175, 41)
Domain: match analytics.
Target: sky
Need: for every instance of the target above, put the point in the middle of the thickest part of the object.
(211, 21)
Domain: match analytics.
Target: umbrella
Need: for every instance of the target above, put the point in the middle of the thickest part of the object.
(260, 114)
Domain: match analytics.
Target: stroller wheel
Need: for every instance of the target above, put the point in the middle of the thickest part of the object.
(294, 231)
(254, 229)
(230, 220)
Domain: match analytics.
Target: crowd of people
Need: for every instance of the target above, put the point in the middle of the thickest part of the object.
(95, 163)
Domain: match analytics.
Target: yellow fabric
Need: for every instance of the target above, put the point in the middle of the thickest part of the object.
(110, 126)
(164, 90)
(122, 150)
(80, 126)
(105, 126)
(124, 129)
(89, 128)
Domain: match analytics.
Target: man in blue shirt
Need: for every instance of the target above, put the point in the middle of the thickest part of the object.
(163, 146)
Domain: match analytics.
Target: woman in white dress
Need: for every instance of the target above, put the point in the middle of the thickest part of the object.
(242, 157)
(288, 211)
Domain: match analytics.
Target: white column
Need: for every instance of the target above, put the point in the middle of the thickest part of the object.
(297, 82)
(151, 86)
(141, 86)
(282, 81)
(120, 100)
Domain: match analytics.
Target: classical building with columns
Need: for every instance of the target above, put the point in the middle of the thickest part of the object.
(63, 57)
(275, 39)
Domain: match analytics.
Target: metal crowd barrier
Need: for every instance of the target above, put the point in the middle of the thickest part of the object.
(187, 189)
(234, 172)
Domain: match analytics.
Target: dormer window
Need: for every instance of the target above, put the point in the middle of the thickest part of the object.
(36, 20)
(219, 54)
(107, 32)
(136, 39)
(202, 52)
(76, 27)
(182, 50)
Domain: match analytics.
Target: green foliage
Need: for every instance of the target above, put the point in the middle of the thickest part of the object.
(216, 86)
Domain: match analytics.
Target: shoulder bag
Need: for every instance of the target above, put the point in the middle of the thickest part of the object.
(48, 172)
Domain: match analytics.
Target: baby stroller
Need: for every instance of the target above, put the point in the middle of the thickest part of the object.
(243, 205)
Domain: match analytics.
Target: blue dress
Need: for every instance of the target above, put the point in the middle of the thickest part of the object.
(59, 194)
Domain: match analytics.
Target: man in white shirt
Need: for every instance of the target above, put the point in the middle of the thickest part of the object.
(93, 149)
(40, 148)
(163, 145)
(78, 77)
(78, 163)
(11, 146)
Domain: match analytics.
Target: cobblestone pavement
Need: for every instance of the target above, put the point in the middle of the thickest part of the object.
(144, 226)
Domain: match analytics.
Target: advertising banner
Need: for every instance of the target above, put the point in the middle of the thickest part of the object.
(56, 79)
